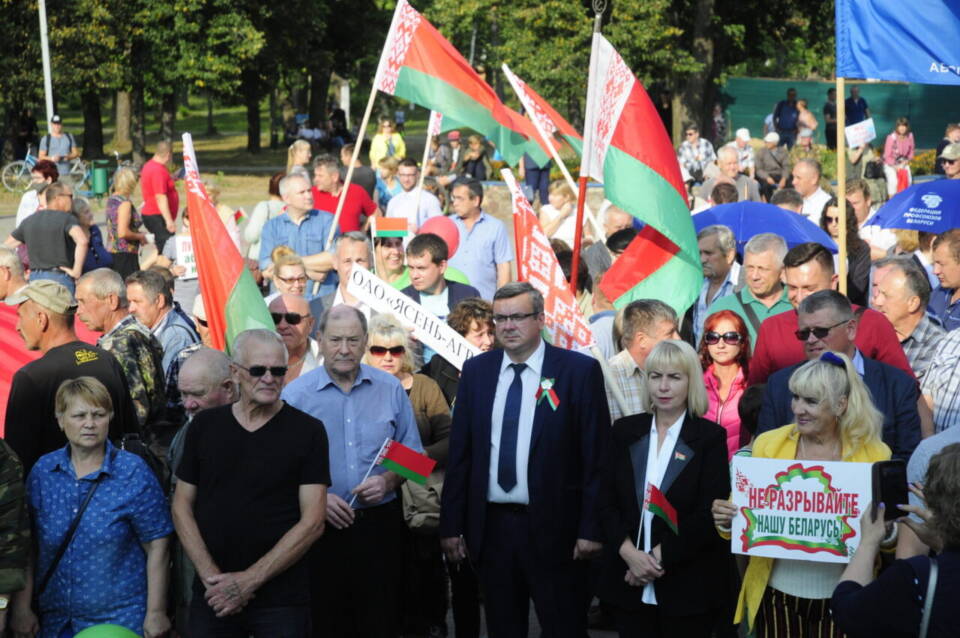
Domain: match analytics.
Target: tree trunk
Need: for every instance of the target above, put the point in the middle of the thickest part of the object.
(211, 126)
(92, 125)
(275, 123)
(168, 116)
(319, 87)
(121, 134)
(698, 90)
(251, 99)
(138, 126)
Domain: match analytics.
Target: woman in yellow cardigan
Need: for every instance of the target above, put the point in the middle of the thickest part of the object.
(386, 143)
(835, 421)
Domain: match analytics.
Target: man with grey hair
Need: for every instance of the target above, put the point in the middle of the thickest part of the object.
(728, 161)
(764, 295)
(302, 228)
(151, 302)
(640, 326)
(826, 323)
(258, 459)
(806, 181)
(11, 272)
(521, 492)
(597, 257)
(361, 407)
(901, 292)
(350, 248)
(102, 307)
(721, 272)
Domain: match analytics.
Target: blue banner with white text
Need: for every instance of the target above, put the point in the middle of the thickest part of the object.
(899, 40)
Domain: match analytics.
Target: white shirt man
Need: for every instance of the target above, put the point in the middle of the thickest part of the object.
(404, 204)
(806, 181)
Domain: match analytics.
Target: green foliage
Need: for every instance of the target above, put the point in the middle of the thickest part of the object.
(924, 163)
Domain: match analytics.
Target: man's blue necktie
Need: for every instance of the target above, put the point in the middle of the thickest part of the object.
(507, 469)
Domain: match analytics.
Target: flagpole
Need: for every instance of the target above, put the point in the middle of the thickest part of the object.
(376, 253)
(548, 142)
(370, 469)
(423, 167)
(842, 185)
(599, 6)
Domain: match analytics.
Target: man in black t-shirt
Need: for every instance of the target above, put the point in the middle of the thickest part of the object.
(251, 500)
(45, 312)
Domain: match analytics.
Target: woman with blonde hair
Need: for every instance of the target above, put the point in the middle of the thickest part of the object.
(557, 217)
(124, 225)
(652, 565)
(835, 421)
(298, 157)
(387, 183)
(387, 142)
(289, 272)
(806, 118)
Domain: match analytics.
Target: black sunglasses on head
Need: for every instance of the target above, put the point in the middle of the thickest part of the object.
(291, 317)
(729, 338)
(379, 351)
(277, 372)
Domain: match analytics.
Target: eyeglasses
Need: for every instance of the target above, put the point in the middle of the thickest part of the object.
(729, 338)
(949, 161)
(832, 220)
(380, 351)
(276, 372)
(203, 322)
(291, 318)
(804, 333)
(302, 279)
(515, 318)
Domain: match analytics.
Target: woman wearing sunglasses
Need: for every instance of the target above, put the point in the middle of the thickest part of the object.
(725, 356)
(858, 251)
(425, 603)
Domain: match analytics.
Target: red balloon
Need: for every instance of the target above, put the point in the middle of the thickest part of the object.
(446, 229)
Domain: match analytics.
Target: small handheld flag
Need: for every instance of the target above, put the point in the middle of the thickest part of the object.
(658, 505)
(392, 227)
(406, 462)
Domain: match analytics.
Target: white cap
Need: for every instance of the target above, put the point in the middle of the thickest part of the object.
(772, 136)
(743, 134)
(806, 132)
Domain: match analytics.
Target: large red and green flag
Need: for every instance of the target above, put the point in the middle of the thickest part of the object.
(420, 65)
(230, 295)
(626, 147)
(405, 461)
(540, 111)
(658, 505)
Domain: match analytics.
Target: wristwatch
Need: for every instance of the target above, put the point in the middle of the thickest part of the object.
(4, 602)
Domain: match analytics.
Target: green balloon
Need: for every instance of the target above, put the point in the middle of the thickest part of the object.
(106, 631)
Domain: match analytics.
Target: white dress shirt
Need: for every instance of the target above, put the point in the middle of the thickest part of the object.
(530, 378)
(813, 205)
(361, 306)
(657, 461)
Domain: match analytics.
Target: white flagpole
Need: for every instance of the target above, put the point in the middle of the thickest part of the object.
(548, 142)
(376, 460)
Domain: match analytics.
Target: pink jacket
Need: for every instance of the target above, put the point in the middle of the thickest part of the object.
(896, 147)
(725, 413)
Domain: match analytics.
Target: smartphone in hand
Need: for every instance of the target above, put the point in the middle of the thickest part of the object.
(890, 487)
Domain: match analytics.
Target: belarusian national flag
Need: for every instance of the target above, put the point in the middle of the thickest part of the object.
(406, 462)
(540, 110)
(626, 147)
(418, 64)
(392, 226)
(658, 505)
(230, 295)
(537, 264)
(435, 123)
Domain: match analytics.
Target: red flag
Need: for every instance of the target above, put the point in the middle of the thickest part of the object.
(658, 504)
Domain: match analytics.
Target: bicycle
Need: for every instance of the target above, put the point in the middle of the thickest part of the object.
(16, 175)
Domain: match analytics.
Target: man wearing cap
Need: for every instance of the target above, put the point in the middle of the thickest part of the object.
(950, 160)
(728, 160)
(772, 165)
(58, 146)
(45, 322)
(405, 203)
(805, 148)
(744, 152)
(452, 170)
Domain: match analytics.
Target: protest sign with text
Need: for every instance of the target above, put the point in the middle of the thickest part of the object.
(432, 331)
(804, 510)
(186, 257)
(861, 133)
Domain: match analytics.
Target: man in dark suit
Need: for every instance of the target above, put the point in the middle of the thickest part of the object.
(826, 322)
(523, 478)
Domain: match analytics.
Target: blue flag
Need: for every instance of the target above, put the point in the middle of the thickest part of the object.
(898, 40)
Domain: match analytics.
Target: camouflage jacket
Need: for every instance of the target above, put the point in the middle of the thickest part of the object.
(14, 522)
(141, 358)
(175, 411)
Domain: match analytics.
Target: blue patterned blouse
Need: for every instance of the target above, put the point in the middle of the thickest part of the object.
(102, 577)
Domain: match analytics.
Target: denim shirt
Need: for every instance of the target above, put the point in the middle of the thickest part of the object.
(102, 577)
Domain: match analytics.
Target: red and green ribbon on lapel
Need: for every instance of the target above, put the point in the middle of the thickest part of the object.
(546, 390)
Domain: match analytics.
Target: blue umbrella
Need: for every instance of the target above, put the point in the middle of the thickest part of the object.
(933, 207)
(747, 219)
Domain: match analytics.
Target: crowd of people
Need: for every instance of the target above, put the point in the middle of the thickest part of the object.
(158, 484)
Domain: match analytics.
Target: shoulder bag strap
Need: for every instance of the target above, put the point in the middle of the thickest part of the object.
(749, 312)
(67, 538)
(928, 602)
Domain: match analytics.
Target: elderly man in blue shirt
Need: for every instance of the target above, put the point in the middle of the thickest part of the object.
(357, 564)
(485, 253)
(302, 228)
